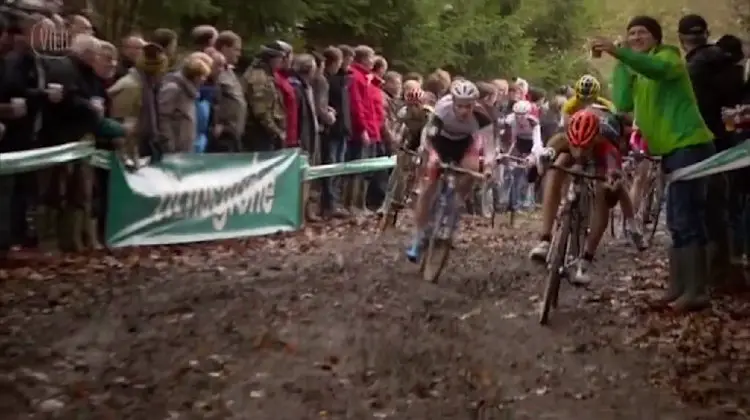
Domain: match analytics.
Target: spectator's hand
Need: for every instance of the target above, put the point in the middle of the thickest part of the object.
(98, 105)
(217, 130)
(18, 105)
(602, 44)
(55, 92)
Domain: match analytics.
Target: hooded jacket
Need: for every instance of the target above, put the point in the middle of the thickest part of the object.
(715, 85)
(656, 87)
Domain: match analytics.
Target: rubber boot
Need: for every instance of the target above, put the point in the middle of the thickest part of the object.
(71, 230)
(694, 260)
(307, 204)
(44, 224)
(90, 232)
(675, 287)
(356, 196)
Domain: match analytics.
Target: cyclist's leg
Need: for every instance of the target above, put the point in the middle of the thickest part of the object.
(468, 155)
(427, 188)
(598, 222)
(553, 185)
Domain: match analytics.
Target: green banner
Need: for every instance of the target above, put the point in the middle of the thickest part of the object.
(735, 158)
(193, 198)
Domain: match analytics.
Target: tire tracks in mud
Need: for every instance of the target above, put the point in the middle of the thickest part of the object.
(334, 323)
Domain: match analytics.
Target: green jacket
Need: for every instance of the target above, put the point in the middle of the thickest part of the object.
(656, 87)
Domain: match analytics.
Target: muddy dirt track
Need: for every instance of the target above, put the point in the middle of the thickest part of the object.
(331, 323)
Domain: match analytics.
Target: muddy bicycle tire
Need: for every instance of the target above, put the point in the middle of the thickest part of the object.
(390, 215)
(435, 258)
(554, 277)
(653, 198)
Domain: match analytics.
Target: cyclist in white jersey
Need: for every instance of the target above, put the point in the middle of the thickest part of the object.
(450, 136)
(525, 131)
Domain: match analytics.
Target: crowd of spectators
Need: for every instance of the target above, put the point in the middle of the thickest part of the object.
(150, 96)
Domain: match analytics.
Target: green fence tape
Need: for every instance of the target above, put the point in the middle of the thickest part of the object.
(32, 160)
(349, 168)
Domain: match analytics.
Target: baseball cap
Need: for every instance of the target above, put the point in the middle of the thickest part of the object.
(692, 25)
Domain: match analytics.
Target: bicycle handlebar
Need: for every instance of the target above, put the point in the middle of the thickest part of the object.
(638, 156)
(579, 174)
(459, 170)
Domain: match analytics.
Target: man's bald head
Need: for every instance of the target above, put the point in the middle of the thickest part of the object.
(79, 24)
(132, 47)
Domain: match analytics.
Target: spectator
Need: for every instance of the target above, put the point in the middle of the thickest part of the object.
(281, 79)
(133, 101)
(231, 108)
(364, 117)
(716, 85)
(23, 71)
(393, 129)
(207, 98)
(650, 76)
(130, 52)
(336, 137)
(167, 40)
(378, 181)
(436, 84)
(265, 128)
(203, 37)
(79, 24)
(303, 72)
(415, 77)
(176, 104)
(86, 106)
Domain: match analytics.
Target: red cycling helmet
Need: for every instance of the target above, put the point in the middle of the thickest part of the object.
(583, 128)
(414, 96)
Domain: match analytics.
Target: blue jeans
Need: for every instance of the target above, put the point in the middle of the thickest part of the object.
(687, 200)
(334, 151)
(378, 180)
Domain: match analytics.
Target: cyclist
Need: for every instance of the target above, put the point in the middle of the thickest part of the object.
(640, 175)
(450, 137)
(587, 92)
(525, 131)
(587, 139)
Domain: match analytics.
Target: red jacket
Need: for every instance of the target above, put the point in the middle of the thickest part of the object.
(360, 103)
(378, 109)
(290, 108)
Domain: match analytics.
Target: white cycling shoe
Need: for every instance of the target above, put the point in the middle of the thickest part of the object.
(539, 252)
(581, 277)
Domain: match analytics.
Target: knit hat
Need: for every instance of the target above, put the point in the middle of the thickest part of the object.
(154, 60)
(651, 25)
(692, 25)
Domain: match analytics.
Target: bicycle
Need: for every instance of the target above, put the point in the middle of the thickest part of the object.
(649, 210)
(570, 234)
(400, 187)
(443, 221)
(504, 162)
(652, 202)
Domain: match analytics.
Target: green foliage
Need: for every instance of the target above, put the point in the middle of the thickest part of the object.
(541, 40)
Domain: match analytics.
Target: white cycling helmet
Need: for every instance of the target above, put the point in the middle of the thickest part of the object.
(464, 90)
(522, 107)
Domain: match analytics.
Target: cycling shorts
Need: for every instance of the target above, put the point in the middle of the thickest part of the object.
(446, 150)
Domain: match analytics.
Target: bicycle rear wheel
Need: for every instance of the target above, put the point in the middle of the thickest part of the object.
(653, 208)
(435, 258)
(557, 264)
(393, 196)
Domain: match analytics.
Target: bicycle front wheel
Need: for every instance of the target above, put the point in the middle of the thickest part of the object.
(557, 265)
(652, 205)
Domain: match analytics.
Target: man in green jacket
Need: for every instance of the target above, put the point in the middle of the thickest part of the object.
(652, 81)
